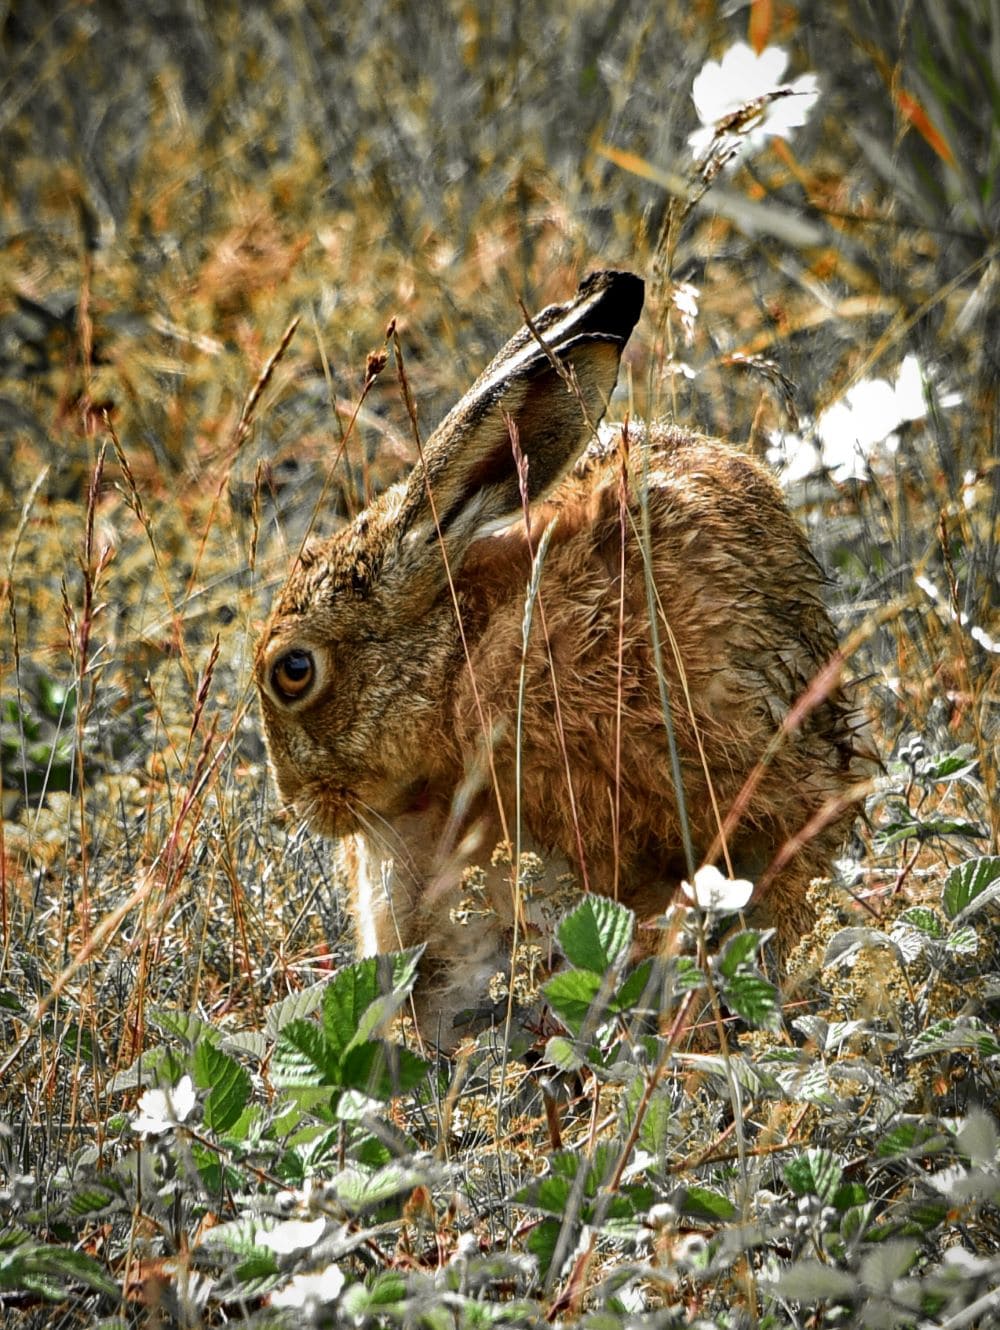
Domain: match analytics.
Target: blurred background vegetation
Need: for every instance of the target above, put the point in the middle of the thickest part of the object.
(181, 180)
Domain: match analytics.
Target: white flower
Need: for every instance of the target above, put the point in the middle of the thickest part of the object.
(684, 297)
(292, 1235)
(850, 430)
(853, 429)
(712, 891)
(310, 1293)
(723, 86)
(160, 1110)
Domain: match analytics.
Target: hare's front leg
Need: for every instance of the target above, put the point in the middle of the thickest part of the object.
(380, 904)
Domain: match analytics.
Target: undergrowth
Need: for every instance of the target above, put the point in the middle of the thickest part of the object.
(209, 1112)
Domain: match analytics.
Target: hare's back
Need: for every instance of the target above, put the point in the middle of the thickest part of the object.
(736, 581)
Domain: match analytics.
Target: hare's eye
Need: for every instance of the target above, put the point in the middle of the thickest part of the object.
(293, 673)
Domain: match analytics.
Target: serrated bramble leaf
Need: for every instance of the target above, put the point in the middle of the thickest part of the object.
(570, 994)
(380, 1070)
(971, 886)
(301, 1056)
(809, 1282)
(192, 1029)
(705, 1203)
(688, 975)
(294, 1007)
(754, 998)
(563, 1053)
(964, 1032)
(159, 1065)
(951, 766)
(883, 1265)
(94, 1198)
(52, 1271)
(962, 941)
(848, 1196)
(633, 989)
(549, 1194)
(924, 920)
(346, 998)
(913, 1137)
(815, 1173)
(357, 1190)
(739, 950)
(596, 934)
(404, 969)
(228, 1084)
(541, 1243)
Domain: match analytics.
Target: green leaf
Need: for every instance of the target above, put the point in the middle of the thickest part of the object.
(633, 989)
(913, 1137)
(965, 886)
(912, 828)
(951, 766)
(964, 1032)
(186, 1026)
(386, 1289)
(925, 921)
(95, 1198)
(380, 1070)
(563, 1053)
(705, 1203)
(550, 1194)
(228, 1084)
(815, 1173)
(159, 1065)
(301, 1057)
(597, 934)
(404, 969)
(688, 975)
(541, 1242)
(660, 1119)
(358, 1191)
(753, 998)
(52, 1271)
(346, 999)
(849, 1196)
(810, 1282)
(953, 826)
(570, 994)
(295, 1007)
(738, 951)
(883, 1265)
(962, 941)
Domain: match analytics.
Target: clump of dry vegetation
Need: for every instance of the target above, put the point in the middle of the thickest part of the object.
(204, 1115)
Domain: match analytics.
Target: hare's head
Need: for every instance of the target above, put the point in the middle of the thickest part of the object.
(363, 646)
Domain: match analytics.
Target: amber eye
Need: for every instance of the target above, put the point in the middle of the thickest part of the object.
(293, 673)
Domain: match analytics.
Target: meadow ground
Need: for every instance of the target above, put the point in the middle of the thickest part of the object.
(209, 216)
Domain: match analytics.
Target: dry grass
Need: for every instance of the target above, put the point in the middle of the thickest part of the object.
(184, 182)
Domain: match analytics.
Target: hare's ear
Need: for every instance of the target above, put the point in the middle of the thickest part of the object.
(467, 482)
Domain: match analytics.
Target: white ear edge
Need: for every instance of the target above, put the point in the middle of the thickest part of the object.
(468, 525)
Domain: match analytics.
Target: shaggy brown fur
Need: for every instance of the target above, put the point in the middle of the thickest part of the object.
(391, 728)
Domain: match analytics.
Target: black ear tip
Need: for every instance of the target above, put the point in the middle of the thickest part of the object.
(618, 296)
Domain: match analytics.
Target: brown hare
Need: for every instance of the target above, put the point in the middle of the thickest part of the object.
(391, 666)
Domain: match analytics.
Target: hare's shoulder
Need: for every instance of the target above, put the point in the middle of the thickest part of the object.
(674, 463)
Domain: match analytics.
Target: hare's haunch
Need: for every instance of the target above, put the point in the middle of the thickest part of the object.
(390, 668)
